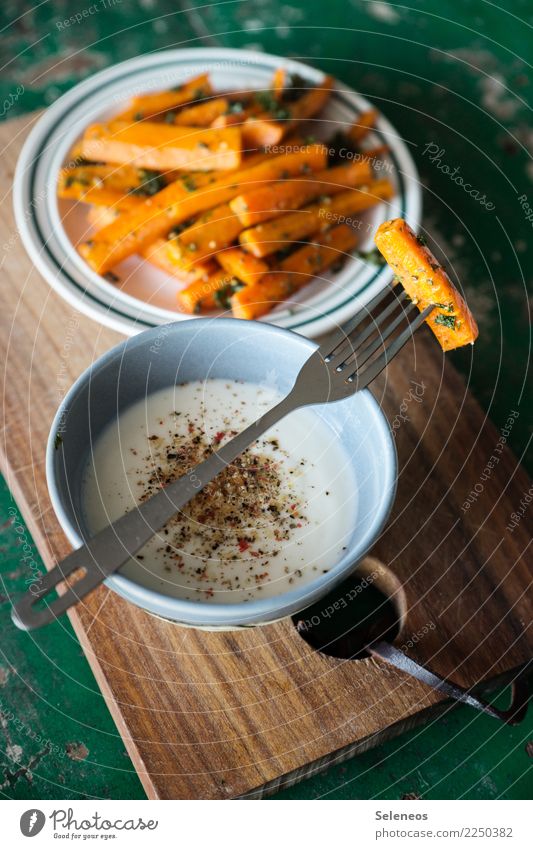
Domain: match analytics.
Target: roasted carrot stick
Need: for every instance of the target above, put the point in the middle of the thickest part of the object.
(261, 132)
(311, 102)
(278, 82)
(123, 186)
(157, 103)
(202, 294)
(101, 196)
(256, 205)
(215, 229)
(158, 254)
(257, 300)
(242, 265)
(295, 271)
(174, 204)
(426, 282)
(362, 126)
(237, 114)
(203, 114)
(325, 250)
(162, 146)
(219, 227)
(101, 216)
(275, 235)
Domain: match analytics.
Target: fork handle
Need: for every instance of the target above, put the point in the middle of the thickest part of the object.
(113, 546)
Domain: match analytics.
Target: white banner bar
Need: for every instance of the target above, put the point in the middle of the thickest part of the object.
(264, 824)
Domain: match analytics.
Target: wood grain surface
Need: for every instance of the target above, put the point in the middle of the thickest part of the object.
(216, 715)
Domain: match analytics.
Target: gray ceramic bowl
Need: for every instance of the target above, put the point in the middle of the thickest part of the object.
(232, 349)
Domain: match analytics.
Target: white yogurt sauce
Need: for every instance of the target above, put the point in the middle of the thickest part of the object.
(276, 519)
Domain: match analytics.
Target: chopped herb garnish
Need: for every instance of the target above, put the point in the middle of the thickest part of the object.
(446, 320)
(448, 307)
(150, 183)
(179, 228)
(189, 183)
(58, 441)
(200, 94)
(74, 179)
(235, 108)
(170, 117)
(222, 296)
(267, 101)
(283, 253)
(421, 240)
(372, 256)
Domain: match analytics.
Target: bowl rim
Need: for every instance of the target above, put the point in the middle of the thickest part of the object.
(235, 614)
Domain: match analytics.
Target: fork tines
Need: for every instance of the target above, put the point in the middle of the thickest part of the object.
(359, 352)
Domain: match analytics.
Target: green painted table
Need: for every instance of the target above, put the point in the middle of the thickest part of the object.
(455, 83)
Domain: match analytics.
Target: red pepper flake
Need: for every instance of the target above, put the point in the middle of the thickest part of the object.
(220, 436)
(243, 545)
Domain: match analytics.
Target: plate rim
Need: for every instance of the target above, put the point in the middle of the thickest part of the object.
(110, 313)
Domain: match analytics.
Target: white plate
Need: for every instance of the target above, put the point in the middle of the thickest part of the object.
(146, 296)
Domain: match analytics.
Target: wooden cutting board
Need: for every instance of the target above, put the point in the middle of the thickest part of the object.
(215, 715)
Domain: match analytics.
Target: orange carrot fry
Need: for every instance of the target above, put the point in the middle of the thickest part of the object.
(201, 295)
(101, 216)
(237, 114)
(277, 234)
(362, 126)
(215, 230)
(261, 131)
(294, 272)
(163, 146)
(278, 82)
(256, 205)
(257, 300)
(157, 103)
(426, 282)
(158, 255)
(311, 102)
(123, 186)
(325, 250)
(203, 114)
(241, 265)
(175, 204)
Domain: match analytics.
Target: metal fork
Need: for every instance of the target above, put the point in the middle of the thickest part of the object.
(337, 369)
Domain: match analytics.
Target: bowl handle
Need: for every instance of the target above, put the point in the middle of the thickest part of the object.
(514, 714)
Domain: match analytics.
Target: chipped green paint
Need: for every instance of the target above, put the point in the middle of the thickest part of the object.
(57, 738)
(447, 75)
